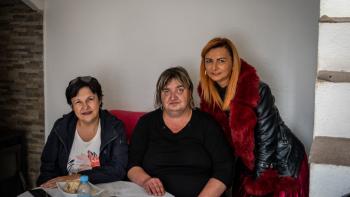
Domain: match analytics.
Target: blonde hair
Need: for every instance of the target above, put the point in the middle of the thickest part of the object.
(209, 92)
(181, 75)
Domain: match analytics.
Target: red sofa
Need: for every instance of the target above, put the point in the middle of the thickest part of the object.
(129, 118)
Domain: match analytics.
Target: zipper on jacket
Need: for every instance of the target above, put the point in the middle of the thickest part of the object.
(109, 141)
(64, 145)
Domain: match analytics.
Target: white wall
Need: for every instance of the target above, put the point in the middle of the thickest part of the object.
(329, 180)
(127, 44)
(334, 46)
(335, 8)
(332, 109)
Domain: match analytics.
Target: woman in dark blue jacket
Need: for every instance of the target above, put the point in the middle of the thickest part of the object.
(87, 141)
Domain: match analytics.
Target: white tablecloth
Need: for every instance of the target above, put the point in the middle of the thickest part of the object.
(125, 189)
(117, 189)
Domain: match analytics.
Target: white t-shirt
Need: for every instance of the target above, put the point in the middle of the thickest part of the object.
(84, 155)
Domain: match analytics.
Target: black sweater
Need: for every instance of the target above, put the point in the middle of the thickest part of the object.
(185, 161)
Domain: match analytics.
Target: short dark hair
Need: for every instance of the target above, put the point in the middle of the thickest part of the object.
(178, 73)
(83, 81)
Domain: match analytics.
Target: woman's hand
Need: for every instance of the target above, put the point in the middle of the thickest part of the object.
(153, 186)
(214, 187)
(52, 183)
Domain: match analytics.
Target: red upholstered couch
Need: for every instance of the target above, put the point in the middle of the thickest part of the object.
(129, 119)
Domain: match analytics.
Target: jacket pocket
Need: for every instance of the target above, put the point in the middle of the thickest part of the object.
(290, 152)
(284, 149)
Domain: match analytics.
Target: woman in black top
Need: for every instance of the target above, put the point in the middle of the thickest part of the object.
(177, 148)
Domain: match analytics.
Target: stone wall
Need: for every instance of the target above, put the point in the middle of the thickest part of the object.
(21, 77)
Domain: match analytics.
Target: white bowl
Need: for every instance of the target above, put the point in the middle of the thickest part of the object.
(60, 186)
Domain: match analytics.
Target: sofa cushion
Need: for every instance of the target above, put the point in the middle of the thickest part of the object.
(129, 118)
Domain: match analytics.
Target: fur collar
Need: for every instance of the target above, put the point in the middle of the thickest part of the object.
(243, 115)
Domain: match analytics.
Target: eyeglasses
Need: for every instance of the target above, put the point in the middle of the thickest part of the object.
(85, 79)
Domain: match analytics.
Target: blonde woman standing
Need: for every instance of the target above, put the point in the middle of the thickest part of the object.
(271, 161)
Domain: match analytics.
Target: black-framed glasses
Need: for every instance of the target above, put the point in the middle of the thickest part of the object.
(85, 79)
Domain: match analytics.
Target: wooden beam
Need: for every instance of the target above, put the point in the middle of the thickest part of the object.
(327, 19)
(333, 76)
(330, 150)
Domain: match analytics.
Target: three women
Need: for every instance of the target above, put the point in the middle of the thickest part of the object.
(180, 149)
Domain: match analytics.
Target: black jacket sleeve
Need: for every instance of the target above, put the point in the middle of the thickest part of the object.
(266, 130)
(49, 168)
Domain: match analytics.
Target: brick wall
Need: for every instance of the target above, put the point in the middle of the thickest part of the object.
(21, 77)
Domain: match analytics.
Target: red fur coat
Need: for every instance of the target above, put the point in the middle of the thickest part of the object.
(239, 129)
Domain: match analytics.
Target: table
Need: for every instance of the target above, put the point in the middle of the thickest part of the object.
(117, 189)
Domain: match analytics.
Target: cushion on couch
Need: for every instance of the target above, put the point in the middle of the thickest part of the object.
(129, 118)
